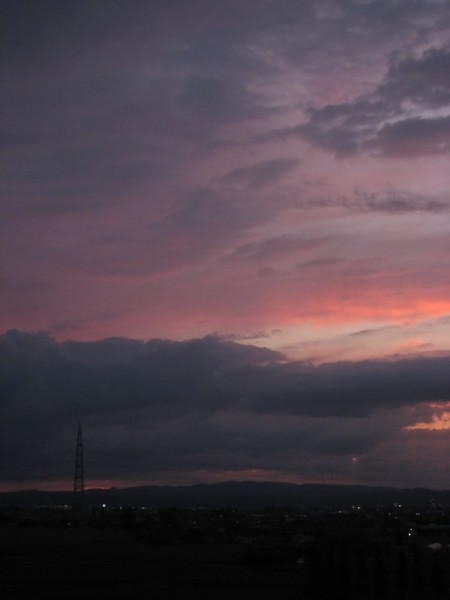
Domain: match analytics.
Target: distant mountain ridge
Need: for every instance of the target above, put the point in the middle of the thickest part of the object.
(236, 494)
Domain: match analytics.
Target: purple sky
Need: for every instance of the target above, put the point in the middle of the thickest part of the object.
(226, 240)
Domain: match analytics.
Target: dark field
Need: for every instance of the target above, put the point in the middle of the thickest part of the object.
(92, 564)
(265, 554)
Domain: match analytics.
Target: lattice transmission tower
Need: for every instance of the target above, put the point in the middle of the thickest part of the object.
(78, 479)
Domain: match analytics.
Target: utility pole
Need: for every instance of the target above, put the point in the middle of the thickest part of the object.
(78, 480)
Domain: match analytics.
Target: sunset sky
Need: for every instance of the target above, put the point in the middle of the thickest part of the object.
(225, 241)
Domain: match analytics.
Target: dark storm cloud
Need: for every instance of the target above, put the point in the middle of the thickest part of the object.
(278, 247)
(415, 137)
(260, 175)
(394, 119)
(423, 80)
(207, 374)
(349, 30)
(399, 201)
(222, 405)
(103, 98)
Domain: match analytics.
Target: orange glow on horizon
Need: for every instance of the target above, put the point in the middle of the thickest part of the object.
(440, 420)
(362, 310)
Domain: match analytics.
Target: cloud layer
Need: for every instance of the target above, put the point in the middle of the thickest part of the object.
(270, 173)
(406, 115)
(177, 171)
(209, 409)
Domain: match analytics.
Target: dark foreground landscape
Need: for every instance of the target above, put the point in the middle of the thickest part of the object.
(335, 550)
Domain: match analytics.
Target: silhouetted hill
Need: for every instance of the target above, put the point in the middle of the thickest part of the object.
(236, 494)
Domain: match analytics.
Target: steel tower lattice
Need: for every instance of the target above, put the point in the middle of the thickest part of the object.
(78, 480)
